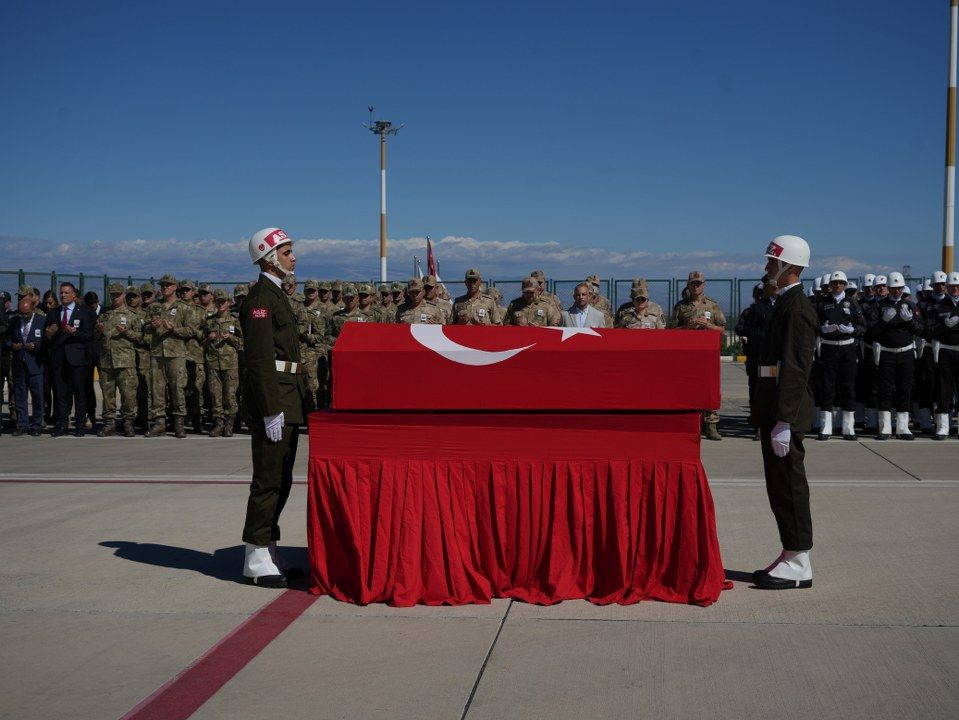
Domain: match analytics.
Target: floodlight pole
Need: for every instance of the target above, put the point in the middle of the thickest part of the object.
(382, 128)
(948, 225)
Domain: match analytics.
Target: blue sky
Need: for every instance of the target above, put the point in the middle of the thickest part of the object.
(639, 138)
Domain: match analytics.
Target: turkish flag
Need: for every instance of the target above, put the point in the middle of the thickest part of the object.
(473, 367)
(430, 260)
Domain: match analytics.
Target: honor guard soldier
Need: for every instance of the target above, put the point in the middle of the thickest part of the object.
(121, 331)
(222, 343)
(867, 379)
(945, 348)
(168, 329)
(416, 310)
(431, 290)
(642, 313)
(696, 311)
(896, 323)
(475, 307)
(841, 324)
(351, 310)
(752, 329)
(274, 396)
(529, 309)
(783, 413)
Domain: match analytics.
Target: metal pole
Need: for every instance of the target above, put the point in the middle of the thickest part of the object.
(382, 206)
(949, 219)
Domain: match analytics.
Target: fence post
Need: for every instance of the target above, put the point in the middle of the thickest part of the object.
(53, 282)
(21, 277)
(80, 281)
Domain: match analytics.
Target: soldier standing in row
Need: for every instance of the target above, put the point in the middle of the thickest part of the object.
(416, 309)
(195, 370)
(475, 307)
(169, 329)
(222, 345)
(529, 309)
(431, 289)
(945, 322)
(841, 324)
(349, 313)
(121, 331)
(641, 313)
(696, 311)
(312, 337)
(752, 329)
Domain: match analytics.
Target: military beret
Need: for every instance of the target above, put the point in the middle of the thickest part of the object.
(116, 287)
(241, 289)
(414, 284)
(186, 285)
(206, 287)
(530, 283)
(364, 289)
(23, 291)
(473, 274)
(311, 285)
(220, 294)
(168, 279)
(147, 287)
(348, 289)
(429, 280)
(324, 285)
(539, 275)
(696, 275)
(397, 287)
(383, 288)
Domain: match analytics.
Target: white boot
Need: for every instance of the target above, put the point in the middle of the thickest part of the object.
(885, 424)
(792, 570)
(925, 419)
(942, 426)
(825, 424)
(902, 426)
(849, 424)
(872, 419)
(259, 564)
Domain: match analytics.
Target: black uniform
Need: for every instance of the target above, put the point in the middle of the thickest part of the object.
(784, 394)
(926, 382)
(838, 351)
(867, 379)
(752, 329)
(947, 369)
(895, 337)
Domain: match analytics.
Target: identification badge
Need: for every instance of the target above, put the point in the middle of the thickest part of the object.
(173, 311)
(36, 332)
(232, 328)
(540, 313)
(481, 312)
(708, 315)
(123, 319)
(423, 318)
(76, 323)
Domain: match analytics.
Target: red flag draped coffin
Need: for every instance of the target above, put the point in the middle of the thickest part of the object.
(604, 498)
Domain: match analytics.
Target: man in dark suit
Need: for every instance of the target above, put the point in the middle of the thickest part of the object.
(68, 330)
(782, 412)
(274, 393)
(25, 340)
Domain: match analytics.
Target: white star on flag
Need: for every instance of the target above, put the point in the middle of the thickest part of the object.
(568, 332)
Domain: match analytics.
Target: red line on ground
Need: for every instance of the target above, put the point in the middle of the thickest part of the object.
(120, 481)
(182, 696)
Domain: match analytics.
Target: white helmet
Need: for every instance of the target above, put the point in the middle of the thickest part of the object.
(921, 288)
(266, 241)
(824, 280)
(868, 280)
(938, 277)
(880, 280)
(811, 292)
(851, 285)
(906, 290)
(953, 278)
(896, 280)
(789, 249)
(839, 276)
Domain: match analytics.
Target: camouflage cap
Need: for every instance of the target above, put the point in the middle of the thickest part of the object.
(220, 294)
(241, 289)
(429, 281)
(696, 276)
(530, 283)
(414, 284)
(324, 285)
(397, 286)
(186, 285)
(383, 288)
(24, 290)
(168, 279)
(132, 290)
(336, 285)
(639, 290)
(116, 287)
(473, 274)
(311, 285)
(364, 289)
(348, 289)
(206, 287)
(638, 281)
(593, 280)
(539, 275)
(147, 287)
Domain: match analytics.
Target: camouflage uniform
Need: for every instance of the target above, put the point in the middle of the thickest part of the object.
(538, 312)
(343, 316)
(240, 291)
(222, 342)
(168, 356)
(195, 369)
(312, 338)
(121, 331)
(650, 317)
(479, 309)
(144, 393)
(322, 316)
(444, 306)
(422, 311)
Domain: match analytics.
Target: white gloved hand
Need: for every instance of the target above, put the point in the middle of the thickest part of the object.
(905, 312)
(951, 321)
(828, 328)
(888, 314)
(274, 426)
(846, 329)
(780, 439)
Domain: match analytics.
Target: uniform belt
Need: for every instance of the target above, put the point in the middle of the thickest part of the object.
(847, 341)
(903, 349)
(949, 347)
(768, 371)
(288, 367)
(937, 346)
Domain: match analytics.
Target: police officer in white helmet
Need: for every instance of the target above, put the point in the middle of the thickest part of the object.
(946, 349)
(841, 324)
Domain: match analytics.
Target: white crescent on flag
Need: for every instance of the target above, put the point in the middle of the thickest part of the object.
(433, 338)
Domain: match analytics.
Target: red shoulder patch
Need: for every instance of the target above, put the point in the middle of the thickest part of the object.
(260, 313)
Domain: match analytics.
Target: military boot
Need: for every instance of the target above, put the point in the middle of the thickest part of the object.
(178, 430)
(158, 429)
(128, 428)
(712, 432)
(109, 428)
(217, 430)
(228, 426)
(197, 423)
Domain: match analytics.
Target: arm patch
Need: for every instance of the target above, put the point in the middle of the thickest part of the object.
(259, 313)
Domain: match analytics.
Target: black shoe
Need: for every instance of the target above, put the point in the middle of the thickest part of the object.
(939, 437)
(18, 432)
(79, 432)
(294, 573)
(267, 581)
(765, 581)
(906, 436)
(824, 436)
(59, 432)
(34, 432)
(882, 437)
(849, 437)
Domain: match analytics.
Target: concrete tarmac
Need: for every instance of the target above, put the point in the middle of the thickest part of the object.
(120, 575)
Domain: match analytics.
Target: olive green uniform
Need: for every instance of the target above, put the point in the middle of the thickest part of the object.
(684, 312)
(168, 356)
(477, 310)
(424, 312)
(122, 332)
(651, 317)
(539, 312)
(221, 354)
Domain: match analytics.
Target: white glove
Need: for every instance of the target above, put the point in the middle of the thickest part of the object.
(780, 439)
(829, 327)
(846, 329)
(905, 312)
(888, 314)
(274, 426)
(951, 321)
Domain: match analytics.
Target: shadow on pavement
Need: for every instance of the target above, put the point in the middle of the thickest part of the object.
(224, 564)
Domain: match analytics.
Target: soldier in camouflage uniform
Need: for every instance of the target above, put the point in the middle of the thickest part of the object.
(311, 332)
(195, 369)
(698, 312)
(529, 309)
(431, 288)
(240, 291)
(320, 317)
(398, 291)
(351, 311)
(598, 301)
(642, 313)
(544, 293)
(336, 295)
(121, 330)
(386, 298)
(475, 307)
(417, 309)
(144, 396)
(365, 293)
(169, 330)
(222, 342)
(324, 291)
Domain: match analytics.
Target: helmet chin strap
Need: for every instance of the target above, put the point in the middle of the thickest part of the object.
(286, 276)
(774, 280)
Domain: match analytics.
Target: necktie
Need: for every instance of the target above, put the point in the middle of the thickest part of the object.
(26, 330)
(63, 323)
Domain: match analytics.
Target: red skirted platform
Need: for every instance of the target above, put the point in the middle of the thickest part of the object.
(442, 508)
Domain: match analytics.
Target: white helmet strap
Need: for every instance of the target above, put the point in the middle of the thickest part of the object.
(274, 262)
(780, 269)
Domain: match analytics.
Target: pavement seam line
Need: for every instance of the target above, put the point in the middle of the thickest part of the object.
(879, 454)
(489, 654)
